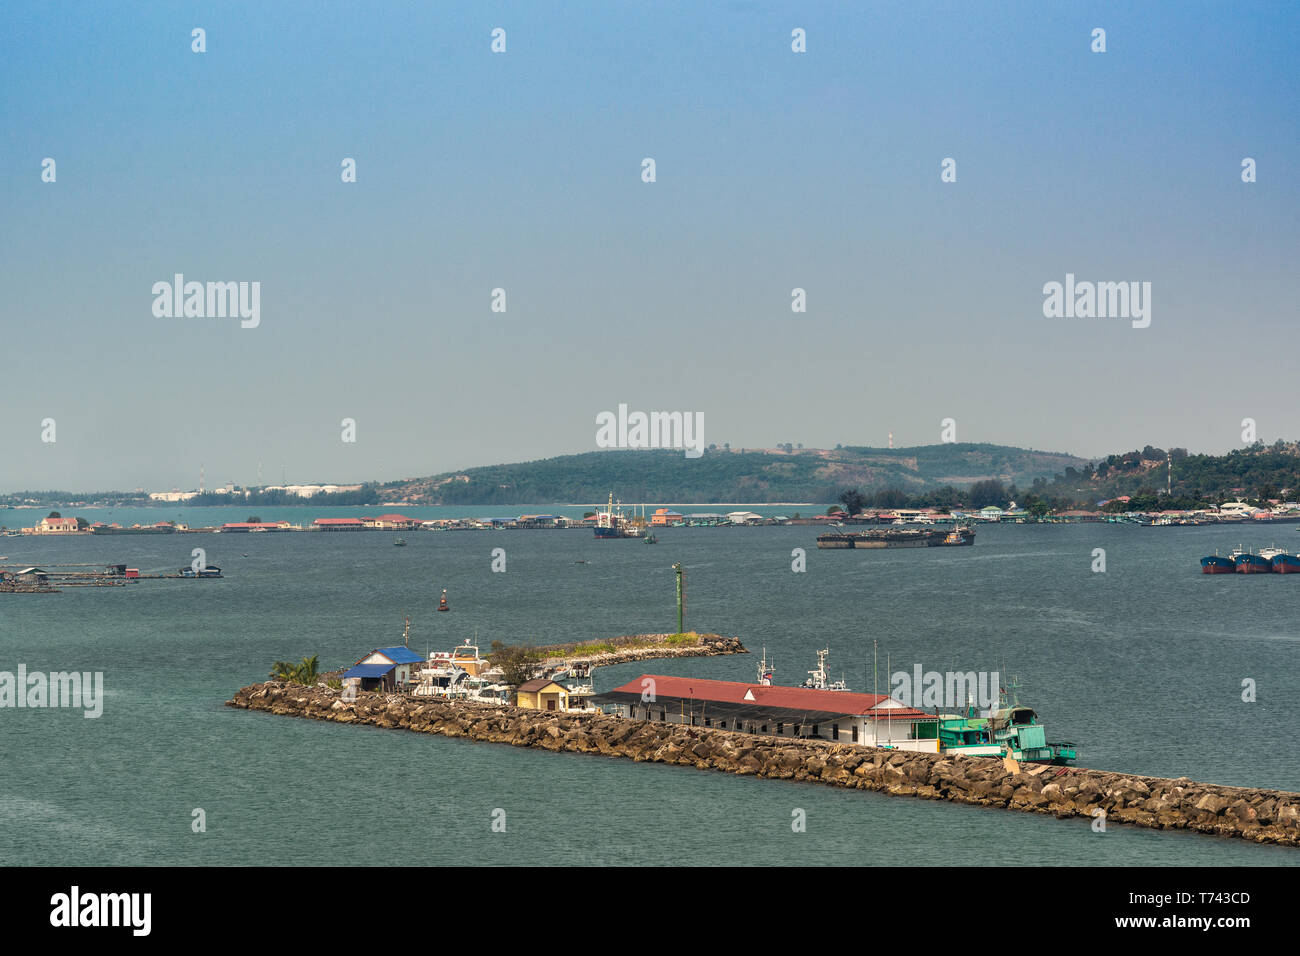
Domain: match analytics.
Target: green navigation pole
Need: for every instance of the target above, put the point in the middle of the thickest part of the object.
(681, 597)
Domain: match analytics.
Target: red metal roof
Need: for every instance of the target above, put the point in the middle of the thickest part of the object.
(791, 698)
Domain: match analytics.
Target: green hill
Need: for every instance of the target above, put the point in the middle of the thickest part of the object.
(743, 476)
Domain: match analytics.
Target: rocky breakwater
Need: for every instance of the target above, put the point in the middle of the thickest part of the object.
(643, 647)
(1264, 816)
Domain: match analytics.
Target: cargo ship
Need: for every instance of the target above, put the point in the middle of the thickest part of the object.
(1248, 563)
(1280, 561)
(897, 538)
(611, 523)
(1216, 564)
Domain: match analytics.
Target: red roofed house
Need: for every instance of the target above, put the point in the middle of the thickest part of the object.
(872, 720)
(339, 524)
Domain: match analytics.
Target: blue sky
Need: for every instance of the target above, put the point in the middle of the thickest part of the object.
(521, 171)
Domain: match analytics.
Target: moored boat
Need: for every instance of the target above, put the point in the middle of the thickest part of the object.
(207, 571)
(1216, 564)
(1281, 562)
(1010, 730)
(877, 538)
(1248, 563)
(612, 523)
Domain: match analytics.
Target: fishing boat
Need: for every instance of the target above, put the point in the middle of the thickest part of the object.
(651, 538)
(442, 602)
(399, 543)
(1248, 563)
(612, 523)
(1216, 564)
(207, 571)
(817, 676)
(1009, 730)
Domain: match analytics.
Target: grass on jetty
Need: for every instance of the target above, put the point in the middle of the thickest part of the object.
(614, 644)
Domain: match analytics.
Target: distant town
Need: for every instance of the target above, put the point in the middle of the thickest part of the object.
(1012, 513)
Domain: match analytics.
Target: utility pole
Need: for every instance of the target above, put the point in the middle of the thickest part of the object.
(681, 597)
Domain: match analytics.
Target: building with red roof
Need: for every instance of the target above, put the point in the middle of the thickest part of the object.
(872, 720)
(339, 524)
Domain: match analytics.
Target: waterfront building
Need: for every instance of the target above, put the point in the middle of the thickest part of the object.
(664, 517)
(391, 522)
(543, 694)
(389, 668)
(56, 526)
(873, 720)
(339, 524)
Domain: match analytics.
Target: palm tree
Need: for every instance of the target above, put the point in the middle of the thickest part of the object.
(283, 670)
(308, 670)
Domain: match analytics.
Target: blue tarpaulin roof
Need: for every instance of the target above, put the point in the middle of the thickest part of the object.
(400, 655)
(369, 670)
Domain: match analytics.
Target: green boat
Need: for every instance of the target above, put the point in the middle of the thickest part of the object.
(1012, 730)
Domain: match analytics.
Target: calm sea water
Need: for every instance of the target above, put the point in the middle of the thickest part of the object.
(1142, 666)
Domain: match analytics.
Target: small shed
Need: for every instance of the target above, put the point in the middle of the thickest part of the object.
(400, 660)
(371, 676)
(543, 694)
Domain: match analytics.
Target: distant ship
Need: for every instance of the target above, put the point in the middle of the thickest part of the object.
(136, 529)
(208, 571)
(1215, 564)
(611, 523)
(1248, 563)
(897, 538)
(1281, 562)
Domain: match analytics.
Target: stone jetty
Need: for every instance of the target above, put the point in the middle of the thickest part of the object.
(1264, 816)
(641, 647)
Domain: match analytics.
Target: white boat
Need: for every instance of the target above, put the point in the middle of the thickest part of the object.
(466, 657)
(817, 677)
(440, 680)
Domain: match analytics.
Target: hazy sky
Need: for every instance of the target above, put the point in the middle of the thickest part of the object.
(522, 171)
